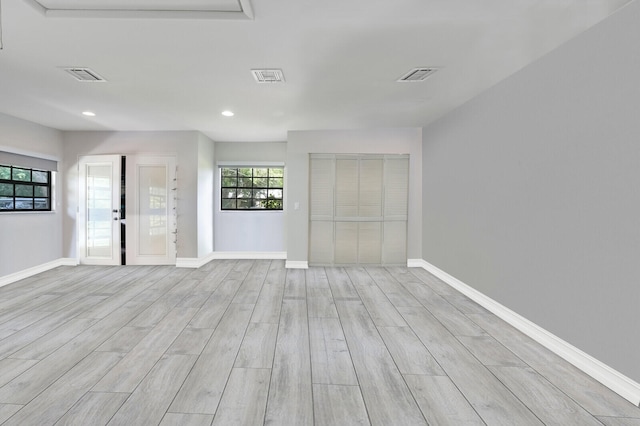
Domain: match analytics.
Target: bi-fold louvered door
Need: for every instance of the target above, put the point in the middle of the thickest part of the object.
(358, 209)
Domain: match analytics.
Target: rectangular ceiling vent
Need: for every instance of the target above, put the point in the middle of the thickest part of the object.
(85, 75)
(417, 74)
(268, 76)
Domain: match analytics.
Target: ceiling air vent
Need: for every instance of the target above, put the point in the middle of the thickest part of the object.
(417, 74)
(268, 76)
(85, 75)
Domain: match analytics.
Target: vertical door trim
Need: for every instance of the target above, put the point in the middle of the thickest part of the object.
(81, 220)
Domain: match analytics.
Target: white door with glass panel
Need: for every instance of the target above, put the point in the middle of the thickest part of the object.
(151, 219)
(150, 224)
(99, 210)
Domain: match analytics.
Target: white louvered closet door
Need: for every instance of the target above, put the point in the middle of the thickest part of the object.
(358, 209)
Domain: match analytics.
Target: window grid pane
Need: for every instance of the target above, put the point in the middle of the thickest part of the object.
(244, 188)
(24, 189)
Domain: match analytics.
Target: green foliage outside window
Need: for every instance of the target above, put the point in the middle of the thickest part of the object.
(251, 188)
(24, 189)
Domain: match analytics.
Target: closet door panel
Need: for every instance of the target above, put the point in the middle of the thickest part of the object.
(346, 242)
(346, 187)
(396, 188)
(321, 188)
(369, 243)
(370, 194)
(321, 242)
(395, 243)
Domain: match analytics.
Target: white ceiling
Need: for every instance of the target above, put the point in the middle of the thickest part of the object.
(340, 58)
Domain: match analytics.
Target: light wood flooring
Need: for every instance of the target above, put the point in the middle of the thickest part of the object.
(250, 343)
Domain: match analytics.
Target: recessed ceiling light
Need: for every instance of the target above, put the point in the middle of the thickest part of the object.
(89, 113)
(227, 113)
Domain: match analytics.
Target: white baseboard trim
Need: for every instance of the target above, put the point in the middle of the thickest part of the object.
(614, 380)
(296, 264)
(416, 263)
(197, 262)
(26, 273)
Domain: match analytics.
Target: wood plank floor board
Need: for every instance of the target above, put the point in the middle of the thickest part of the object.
(20, 322)
(589, 393)
(545, 400)
(619, 421)
(95, 408)
(490, 352)
(453, 319)
(295, 284)
(11, 320)
(50, 405)
(29, 384)
(270, 299)
(215, 275)
(290, 394)
(488, 396)
(252, 283)
(191, 341)
(12, 368)
(203, 387)
(441, 402)
(42, 327)
(8, 410)
(339, 405)
(320, 303)
(44, 346)
(397, 294)
(194, 300)
(137, 284)
(316, 278)
(124, 339)
(182, 419)
(21, 292)
(245, 398)
(130, 371)
(312, 347)
(381, 310)
(149, 402)
(341, 286)
(465, 305)
(409, 353)
(215, 306)
(434, 283)
(258, 346)
(331, 362)
(385, 392)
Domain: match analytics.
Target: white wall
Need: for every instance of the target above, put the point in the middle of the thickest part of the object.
(30, 239)
(251, 231)
(371, 141)
(206, 191)
(183, 145)
(532, 192)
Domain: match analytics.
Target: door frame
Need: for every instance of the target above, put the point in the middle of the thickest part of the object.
(114, 161)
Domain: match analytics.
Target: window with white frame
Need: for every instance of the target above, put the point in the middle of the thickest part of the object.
(251, 188)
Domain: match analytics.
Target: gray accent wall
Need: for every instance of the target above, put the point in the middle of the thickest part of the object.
(531, 192)
(31, 239)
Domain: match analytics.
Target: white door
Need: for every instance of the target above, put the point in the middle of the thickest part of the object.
(150, 213)
(99, 210)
